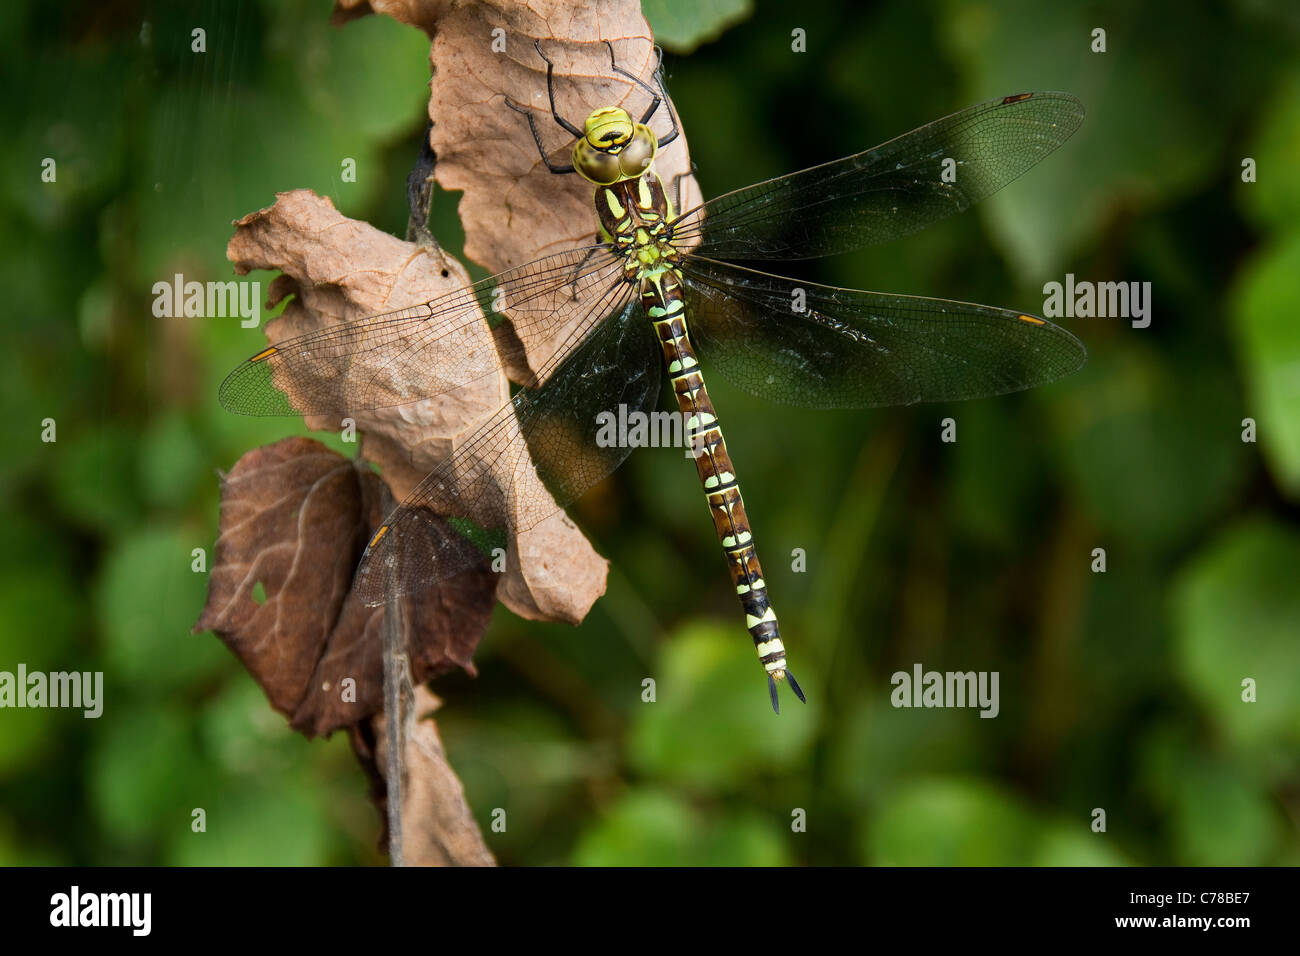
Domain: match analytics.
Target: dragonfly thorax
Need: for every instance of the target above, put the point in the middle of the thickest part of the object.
(613, 148)
(634, 218)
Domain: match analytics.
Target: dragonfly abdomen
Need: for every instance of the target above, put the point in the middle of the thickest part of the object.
(633, 216)
(661, 294)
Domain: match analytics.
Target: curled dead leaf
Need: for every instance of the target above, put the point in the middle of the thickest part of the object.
(294, 519)
(337, 271)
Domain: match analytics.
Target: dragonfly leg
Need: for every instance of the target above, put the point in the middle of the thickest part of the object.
(654, 104)
(677, 190)
(577, 271)
(550, 91)
(672, 118)
(537, 137)
(659, 96)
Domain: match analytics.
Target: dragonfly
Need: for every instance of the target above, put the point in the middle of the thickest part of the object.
(662, 289)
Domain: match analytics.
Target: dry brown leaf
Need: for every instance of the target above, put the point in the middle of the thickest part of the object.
(437, 826)
(339, 270)
(294, 519)
(423, 14)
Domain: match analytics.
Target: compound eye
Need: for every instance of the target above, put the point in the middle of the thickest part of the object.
(637, 156)
(594, 165)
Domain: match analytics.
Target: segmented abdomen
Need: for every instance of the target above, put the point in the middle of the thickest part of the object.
(661, 294)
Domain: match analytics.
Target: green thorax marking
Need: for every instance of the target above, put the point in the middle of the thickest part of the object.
(634, 216)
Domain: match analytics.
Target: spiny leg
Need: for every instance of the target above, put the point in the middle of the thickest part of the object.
(577, 272)
(672, 118)
(677, 190)
(613, 65)
(658, 97)
(537, 137)
(550, 91)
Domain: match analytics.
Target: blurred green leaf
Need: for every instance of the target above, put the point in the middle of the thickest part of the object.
(1236, 611)
(1075, 845)
(1268, 339)
(1273, 199)
(1154, 457)
(951, 822)
(147, 599)
(880, 747)
(1159, 96)
(1215, 808)
(173, 460)
(340, 78)
(744, 839)
(645, 828)
(712, 722)
(649, 827)
(94, 473)
(38, 625)
(283, 825)
(145, 772)
(242, 735)
(681, 25)
(1221, 819)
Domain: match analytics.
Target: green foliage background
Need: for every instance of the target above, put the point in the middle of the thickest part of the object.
(1119, 690)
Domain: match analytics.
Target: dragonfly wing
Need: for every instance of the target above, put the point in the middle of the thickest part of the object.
(539, 452)
(425, 350)
(850, 349)
(887, 192)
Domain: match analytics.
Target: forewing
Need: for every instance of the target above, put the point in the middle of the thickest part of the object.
(890, 191)
(428, 349)
(539, 452)
(851, 349)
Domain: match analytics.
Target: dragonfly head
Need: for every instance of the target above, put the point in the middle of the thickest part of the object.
(609, 128)
(613, 148)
